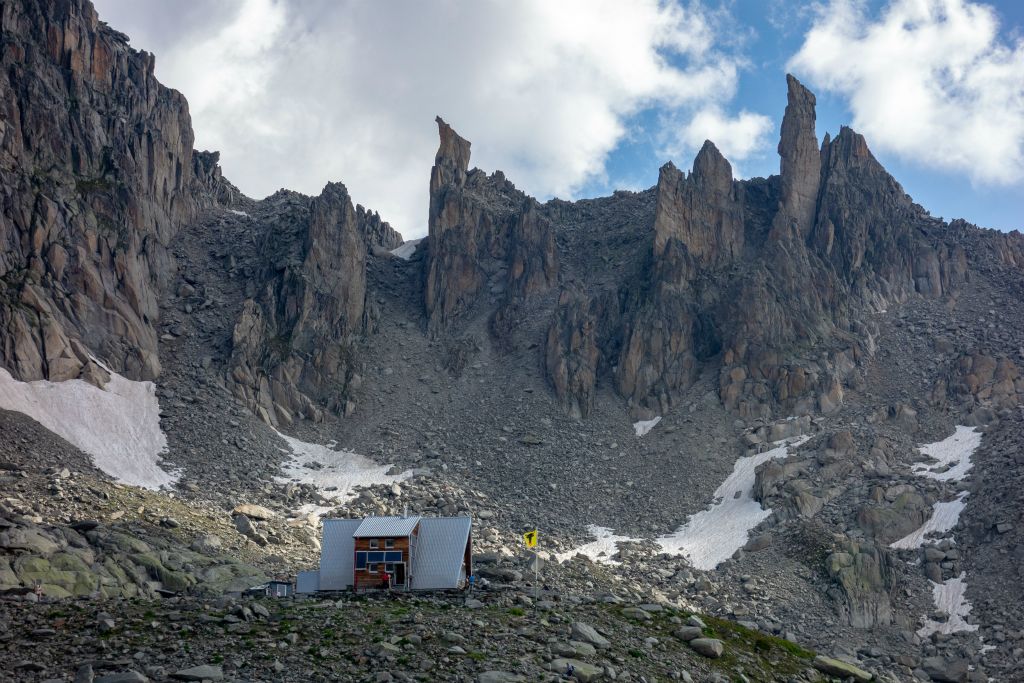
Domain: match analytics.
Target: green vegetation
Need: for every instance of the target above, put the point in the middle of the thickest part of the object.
(87, 186)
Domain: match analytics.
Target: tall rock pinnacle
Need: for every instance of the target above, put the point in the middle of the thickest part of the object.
(801, 164)
(452, 159)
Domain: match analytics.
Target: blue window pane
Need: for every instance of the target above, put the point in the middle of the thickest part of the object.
(393, 556)
(360, 560)
(375, 557)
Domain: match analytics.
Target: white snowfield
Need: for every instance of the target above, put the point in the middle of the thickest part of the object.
(712, 536)
(949, 598)
(952, 458)
(644, 426)
(944, 517)
(952, 455)
(340, 473)
(118, 426)
(600, 550)
(238, 213)
(406, 249)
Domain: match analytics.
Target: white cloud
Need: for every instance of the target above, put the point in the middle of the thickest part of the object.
(930, 80)
(295, 94)
(737, 137)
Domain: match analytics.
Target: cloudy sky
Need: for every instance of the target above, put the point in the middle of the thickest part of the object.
(577, 98)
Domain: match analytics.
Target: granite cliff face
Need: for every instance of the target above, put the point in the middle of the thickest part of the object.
(98, 173)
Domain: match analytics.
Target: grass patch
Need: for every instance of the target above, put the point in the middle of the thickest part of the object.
(86, 186)
(761, 642)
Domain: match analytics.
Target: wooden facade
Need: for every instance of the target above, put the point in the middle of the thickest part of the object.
(384, 556)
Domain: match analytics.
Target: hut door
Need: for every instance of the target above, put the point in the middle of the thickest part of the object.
(398, 572)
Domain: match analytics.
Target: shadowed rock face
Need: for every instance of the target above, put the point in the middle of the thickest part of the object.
(98, 174)
(292, 345)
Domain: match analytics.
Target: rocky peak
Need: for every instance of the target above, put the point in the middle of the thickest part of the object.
(711, 170)
(849, 148)
(800, 165)
(451, 163)
(701, 210)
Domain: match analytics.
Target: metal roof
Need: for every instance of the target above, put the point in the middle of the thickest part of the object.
(386, 526)
(307, 582)
(337, 554)
(437, 561)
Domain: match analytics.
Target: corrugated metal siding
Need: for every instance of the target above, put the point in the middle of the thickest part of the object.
(307, 582)
(437, 561)
(337, 554)
(386, 526)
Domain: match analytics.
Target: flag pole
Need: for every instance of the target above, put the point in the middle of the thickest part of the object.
(536, 576)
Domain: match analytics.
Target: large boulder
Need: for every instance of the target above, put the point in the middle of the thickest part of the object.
(586, 633)
(841, 669)
(708, 647)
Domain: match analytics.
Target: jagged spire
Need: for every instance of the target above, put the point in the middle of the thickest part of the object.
(800, 164)
(452, 159)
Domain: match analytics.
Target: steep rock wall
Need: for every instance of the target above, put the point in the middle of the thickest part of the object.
(96, 174)
(293, 344)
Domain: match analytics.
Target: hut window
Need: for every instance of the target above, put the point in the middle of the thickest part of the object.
(389, 543)
(374, 543)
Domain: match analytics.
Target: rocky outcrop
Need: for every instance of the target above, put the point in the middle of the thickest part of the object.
(98, 172)
(484, 236)
(863, 574)
(876, 239)
(979, 385)
(377, 232)
(293, 342)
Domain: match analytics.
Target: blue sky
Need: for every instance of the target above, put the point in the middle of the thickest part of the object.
(577, 98)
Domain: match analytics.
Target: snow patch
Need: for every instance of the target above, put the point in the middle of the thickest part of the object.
(952, 462)
(118, 426)
(644, 426)
(334, 472)
(952, 455)
(944, 517)
(406, 249)
(600, 550)
(712, 536)
(238, 213)
(950, 598)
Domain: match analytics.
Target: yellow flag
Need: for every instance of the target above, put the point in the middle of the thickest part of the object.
(530, 538)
